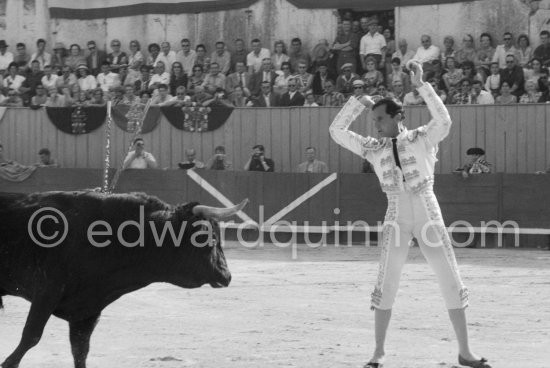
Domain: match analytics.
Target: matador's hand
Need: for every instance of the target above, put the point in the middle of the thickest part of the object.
(367, 101)
(416, 73)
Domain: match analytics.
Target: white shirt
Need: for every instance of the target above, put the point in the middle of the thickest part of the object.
(409, 54)
(492, 82)
(13, 82)
(500, 55)
(44, 59)
(163, 78)
(372, 44)
(108, 81)
(5, 60)
(146, 160)
(425, 55)
(255, 61)
(485, 98)
(49, 82)
(87, 83)
(168, 60)
(187, 61)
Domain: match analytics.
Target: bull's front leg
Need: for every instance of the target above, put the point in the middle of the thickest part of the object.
(42, 306)
(80, 333)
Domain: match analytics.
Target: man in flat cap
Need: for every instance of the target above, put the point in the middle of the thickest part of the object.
(373, 44)
(476, 163)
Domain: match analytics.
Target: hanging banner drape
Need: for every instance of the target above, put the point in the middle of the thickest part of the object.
(99, 9)
(77, 120)
(197, 119)
(365, 5)
(126, 119)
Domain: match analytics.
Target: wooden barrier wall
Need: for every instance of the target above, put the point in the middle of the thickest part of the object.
(500, 197)
(516, 138)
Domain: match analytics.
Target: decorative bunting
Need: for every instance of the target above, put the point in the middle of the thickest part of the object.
(195, 118)
(126, 117)
(77, 120)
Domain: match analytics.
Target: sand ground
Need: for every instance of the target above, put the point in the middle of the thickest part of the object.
(312, 311)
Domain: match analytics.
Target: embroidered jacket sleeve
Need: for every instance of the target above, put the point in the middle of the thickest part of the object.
(438, 128)
(340, 133)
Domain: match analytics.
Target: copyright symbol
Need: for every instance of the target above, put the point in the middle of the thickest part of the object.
(40, 221)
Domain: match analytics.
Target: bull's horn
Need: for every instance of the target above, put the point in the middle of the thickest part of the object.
(218, 213)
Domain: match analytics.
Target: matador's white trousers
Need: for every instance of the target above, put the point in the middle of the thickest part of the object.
(417, 215)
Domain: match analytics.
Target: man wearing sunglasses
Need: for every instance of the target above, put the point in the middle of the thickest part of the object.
(504, 50)
(95, 58)
(513, 74)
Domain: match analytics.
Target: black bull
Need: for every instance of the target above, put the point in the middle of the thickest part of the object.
(93, 266)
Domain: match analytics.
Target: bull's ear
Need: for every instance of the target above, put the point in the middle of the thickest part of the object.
(216, 213)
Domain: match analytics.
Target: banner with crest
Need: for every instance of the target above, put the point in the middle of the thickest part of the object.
(127, 117)
(77, 120)
(197, 118)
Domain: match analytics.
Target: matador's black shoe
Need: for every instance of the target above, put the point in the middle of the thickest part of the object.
(482, 363)
(373, 365)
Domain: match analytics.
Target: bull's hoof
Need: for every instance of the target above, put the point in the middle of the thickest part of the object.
(7, 364)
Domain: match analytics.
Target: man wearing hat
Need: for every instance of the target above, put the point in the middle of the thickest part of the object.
(344, 82)
(358, 88)
(404, 162)
(6, 57)
(258, 162)
(373, 44)
(476, 164)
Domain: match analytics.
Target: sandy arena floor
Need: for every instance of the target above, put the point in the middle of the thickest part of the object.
(312, 312)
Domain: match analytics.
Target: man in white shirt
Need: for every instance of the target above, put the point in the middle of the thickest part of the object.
(504, 50)
(214, 80)
(186, 56)
(6, 57)
(166, 55)
(373, 44)
(161, 76)
(427, 53)
(403, 53)
(139, 158)
(222, 57)
(255, 57)
(107, 79)
(44, 58)
(479, 96)
(49, 79)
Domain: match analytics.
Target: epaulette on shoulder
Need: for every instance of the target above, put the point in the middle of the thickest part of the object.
(372, 144)
(412, 135)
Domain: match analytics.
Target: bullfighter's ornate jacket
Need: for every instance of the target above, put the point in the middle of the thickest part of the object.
(417, 149)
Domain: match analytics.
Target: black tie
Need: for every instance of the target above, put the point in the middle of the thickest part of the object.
(395, 155)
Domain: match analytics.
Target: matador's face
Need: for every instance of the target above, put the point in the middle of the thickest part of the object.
(384, 123)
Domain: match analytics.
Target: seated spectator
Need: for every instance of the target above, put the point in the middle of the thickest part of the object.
(97, 98)
(75, 57)
(312, 165)
(186, 56)
(358, 89)
(544, 87)
(215, 79)
(44, 58)
(476, 163)
(403, 53)
(469, 71)
(13, 99)
(143, 83)
(398, 91)
(292, 97)
(534, 71)
(21, 57)
(504, 50)
(41, 97)
(177, 77)
(154, 53)
(397, 74)
(467, 52)
(320, 55)
(49, 79)
(531, 95)
(479, 96)
(331, 97)
(219, 98)
(310, 100)
(485, 52)
(258, 161)
(281, 82)
(67, 78)
(138, 158)
(279, 55)
(413, 98)
(46, 159)
(513, 74)
(95, 58)
(383, 92)
(118, 95)
(492, 84)
(267, 98)
(298, 55)
(542, 52)
(241, 78)
(255, 58)
(67, 94)
(344, 82)
(160, 76)
(86, 81)
(506, 97)
(448, 48)
(163, 96)
(525, 52)
(191, 162)
(33, 78)
(197, 79)
(116, 57)
(200, 96)
(426, 53)
(129, 96)
(167, 56)
(372, 77)
(463, 96)
(180, 99)
(107, 79)
(201, 58)
(222, 57)
(240, 97)
(239, 54)
(59, 54)
(219, 160)
(81, 99)
(321, 75)
(453, 75)
(55, 99)
(135, 59)
(266, 74)
(13, 80)
(125, 77)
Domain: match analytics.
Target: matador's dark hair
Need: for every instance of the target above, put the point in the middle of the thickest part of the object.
(393, 107)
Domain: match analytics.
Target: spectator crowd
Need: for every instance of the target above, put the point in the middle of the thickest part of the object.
(363, 59)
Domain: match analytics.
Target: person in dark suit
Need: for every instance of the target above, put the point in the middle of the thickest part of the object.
(258, 162)
(240, 78)
(265, 74)
(267, 98)
(293, 97)
(95, 59)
